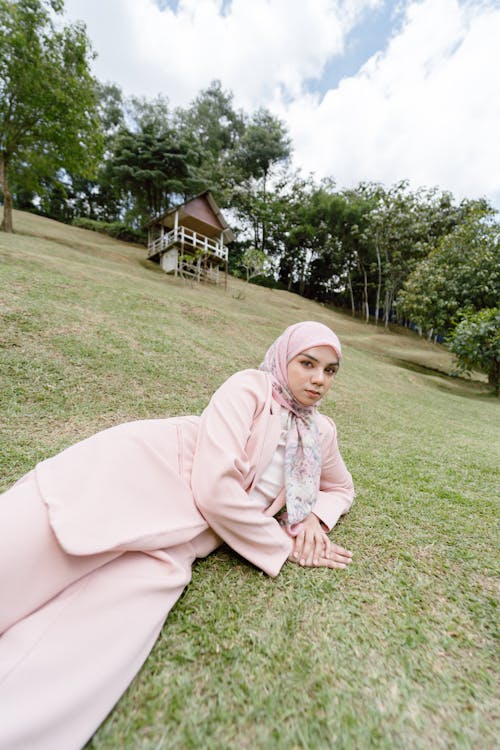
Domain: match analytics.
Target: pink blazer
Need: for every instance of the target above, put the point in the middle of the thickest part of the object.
(153, 484)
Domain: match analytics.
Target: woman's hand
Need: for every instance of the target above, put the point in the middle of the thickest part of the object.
(313, 548)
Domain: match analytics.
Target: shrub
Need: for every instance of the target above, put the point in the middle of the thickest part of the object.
(115, 229)
(475, 341)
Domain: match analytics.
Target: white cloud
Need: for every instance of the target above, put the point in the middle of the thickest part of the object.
(260, 49)
(426, 109)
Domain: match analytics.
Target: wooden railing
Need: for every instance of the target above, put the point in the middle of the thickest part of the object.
(194, 240)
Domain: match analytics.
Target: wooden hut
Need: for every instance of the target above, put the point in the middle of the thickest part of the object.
(190, 240)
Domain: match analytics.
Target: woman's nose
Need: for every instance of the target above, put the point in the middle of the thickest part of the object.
(318, 376)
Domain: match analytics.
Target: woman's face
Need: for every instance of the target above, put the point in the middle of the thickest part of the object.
(311, 373)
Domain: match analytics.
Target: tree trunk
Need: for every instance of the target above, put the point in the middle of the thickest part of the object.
(6, 225)
(351, 293)
(256, 238)
(388, 305)
(379, 281)
(367, 306)
(494, 376)
(264, 228)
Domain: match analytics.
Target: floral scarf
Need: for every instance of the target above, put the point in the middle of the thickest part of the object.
(302, 447)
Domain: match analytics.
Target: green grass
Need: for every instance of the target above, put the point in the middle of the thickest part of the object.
(398, 651)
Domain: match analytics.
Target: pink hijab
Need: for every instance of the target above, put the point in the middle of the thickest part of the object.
(302, 447)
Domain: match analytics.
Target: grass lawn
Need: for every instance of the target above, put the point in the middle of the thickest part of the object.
(398, 651)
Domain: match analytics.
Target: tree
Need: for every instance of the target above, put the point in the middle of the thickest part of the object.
(212, 129)
(150, 164)
(98, 198)
(308, 257)
(463, 272)
(404, 226)
(350, 212)
(253, 261)
(264, 145)
(110, 107)
(476, 343)
(48, 100)
(394, 226)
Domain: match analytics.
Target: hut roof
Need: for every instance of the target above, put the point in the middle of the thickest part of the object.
(200, 213)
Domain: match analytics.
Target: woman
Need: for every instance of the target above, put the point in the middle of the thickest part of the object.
(97, 543)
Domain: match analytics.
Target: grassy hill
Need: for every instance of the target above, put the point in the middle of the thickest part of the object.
(396, 652)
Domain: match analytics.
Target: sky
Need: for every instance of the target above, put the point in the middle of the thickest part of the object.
(369, 90)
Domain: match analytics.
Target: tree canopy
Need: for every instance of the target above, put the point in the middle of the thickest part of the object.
(149, 163)
(462, 272)
(476, 343)
(48, 118)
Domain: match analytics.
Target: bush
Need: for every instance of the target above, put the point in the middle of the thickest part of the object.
(476, 343)
(112, 228)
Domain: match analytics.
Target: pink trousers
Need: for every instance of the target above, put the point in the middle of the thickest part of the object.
(75, 630)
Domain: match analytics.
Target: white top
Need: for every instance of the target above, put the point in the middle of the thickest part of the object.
(272, 480)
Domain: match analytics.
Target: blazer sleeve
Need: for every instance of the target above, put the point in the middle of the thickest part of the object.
(221, 467)
(336, 493)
